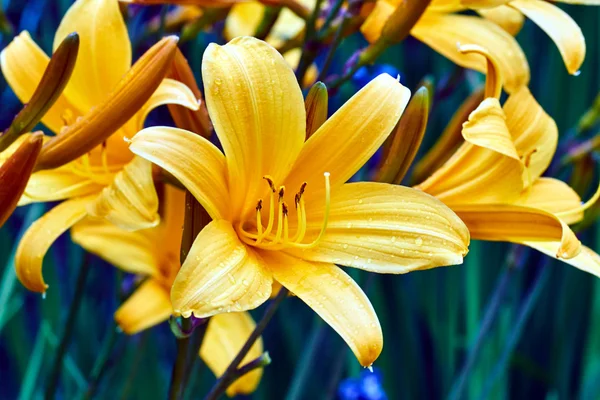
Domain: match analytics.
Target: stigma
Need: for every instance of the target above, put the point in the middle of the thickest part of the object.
(276, 234)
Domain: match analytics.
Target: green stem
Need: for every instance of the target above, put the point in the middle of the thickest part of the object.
(308, 54)
(193, 357)
(179, 368)
(100, 365)
(306, 363)
(334, 45)
(224, 381)
(69, 325)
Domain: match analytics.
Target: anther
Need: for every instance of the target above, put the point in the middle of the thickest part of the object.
(259, 205)
(302, 187)
(270, 182)
(527, 157)
(281, 192)
(284, 208)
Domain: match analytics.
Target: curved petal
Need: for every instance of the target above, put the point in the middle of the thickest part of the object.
(561, 28)
(40, 236)
(134, 252)
(258, 113)
(534, 132)
(387, 229)
(193, 160)
(588, 260)
(554, 196)
(243, 19)
(519, 224)
(104, 51)
(23, 64)
(350, 137)
(443, 33)
(130, 202)
(486, 169)
(225, 336)
(446, 5)
(149, 305)
(486, 127)
(332, 294)
(375, 21)
(220, 274)
(509, 19)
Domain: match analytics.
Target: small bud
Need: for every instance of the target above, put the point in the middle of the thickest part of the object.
(316, 108)
(402, 145)
(195, 219)
(194, 121)
(403, 19)
(134, 89)
(449, 141)
(49, 89)
(15, 173)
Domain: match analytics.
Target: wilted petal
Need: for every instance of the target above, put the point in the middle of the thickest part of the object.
(40, 236)
(565, 32)
(388, 229)
(193, 160)
(554, 196)
(23, 64)
(104, 53)
(220, 274)
(345, 142)
(257, 110)
(135, 252)
(225, 336)
(519, 224)
(149, 305)
(444, 33)
(130, 202)
(332, 294)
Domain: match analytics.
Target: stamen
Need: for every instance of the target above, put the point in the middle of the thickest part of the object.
(270, 182)
(259, 227)
(104, 156)
(286, 233)
(325, 217)
(271, 211)
(582, 207)
(279, 216)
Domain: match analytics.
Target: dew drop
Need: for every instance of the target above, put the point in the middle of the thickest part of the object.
(349, 225)
(370, 368)
(360, 201)
(393, 239)
(345, 246)
(577, 73)
(218, 81)
(419, 241)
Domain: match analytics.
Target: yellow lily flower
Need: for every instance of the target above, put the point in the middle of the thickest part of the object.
(257, 237)
(561, 28)
(493, 181)
(108, 182)
(155, 252)
(443, 31)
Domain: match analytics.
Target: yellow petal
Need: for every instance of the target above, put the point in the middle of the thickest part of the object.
(486, 169)
(23, 64)
(519, 224)
(444, 33)
(487, 128)
(243, 19)
(149, 305)
(449, 141)
(172, 224)
(509, 19)
(40, 236)
(134, 252)
(104, 52)
(561, 28)
(332, 294)
(446, 5)
(484, 3)
(582, 2)
(554, 196)
(220, 274)
(258, 113)
(350, 137)
(292, 57)
(193, 160)
(225, 336)
(130, 202)
(534, 132)
(588, 260)
(387, 229)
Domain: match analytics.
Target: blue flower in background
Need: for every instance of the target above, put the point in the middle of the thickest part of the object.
(367, 386)
(367, 73)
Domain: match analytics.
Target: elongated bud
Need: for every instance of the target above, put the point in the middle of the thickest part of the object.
(196, 218)
(316, 108)
(449, 141)
(194, 121)
(134, 89)
(405, 16)
(15, 173)
(49, 89)
(402, 145)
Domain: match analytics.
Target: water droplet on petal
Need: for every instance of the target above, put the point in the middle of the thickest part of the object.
(419, 241)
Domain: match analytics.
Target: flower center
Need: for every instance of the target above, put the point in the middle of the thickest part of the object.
(265, 238)
(83, 167)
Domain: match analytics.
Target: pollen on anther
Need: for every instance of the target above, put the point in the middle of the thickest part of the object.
(284, 208)
(259, 205)
(281, 192)
(270, 182)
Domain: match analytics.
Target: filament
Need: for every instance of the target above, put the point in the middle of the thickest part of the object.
(582, 207)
